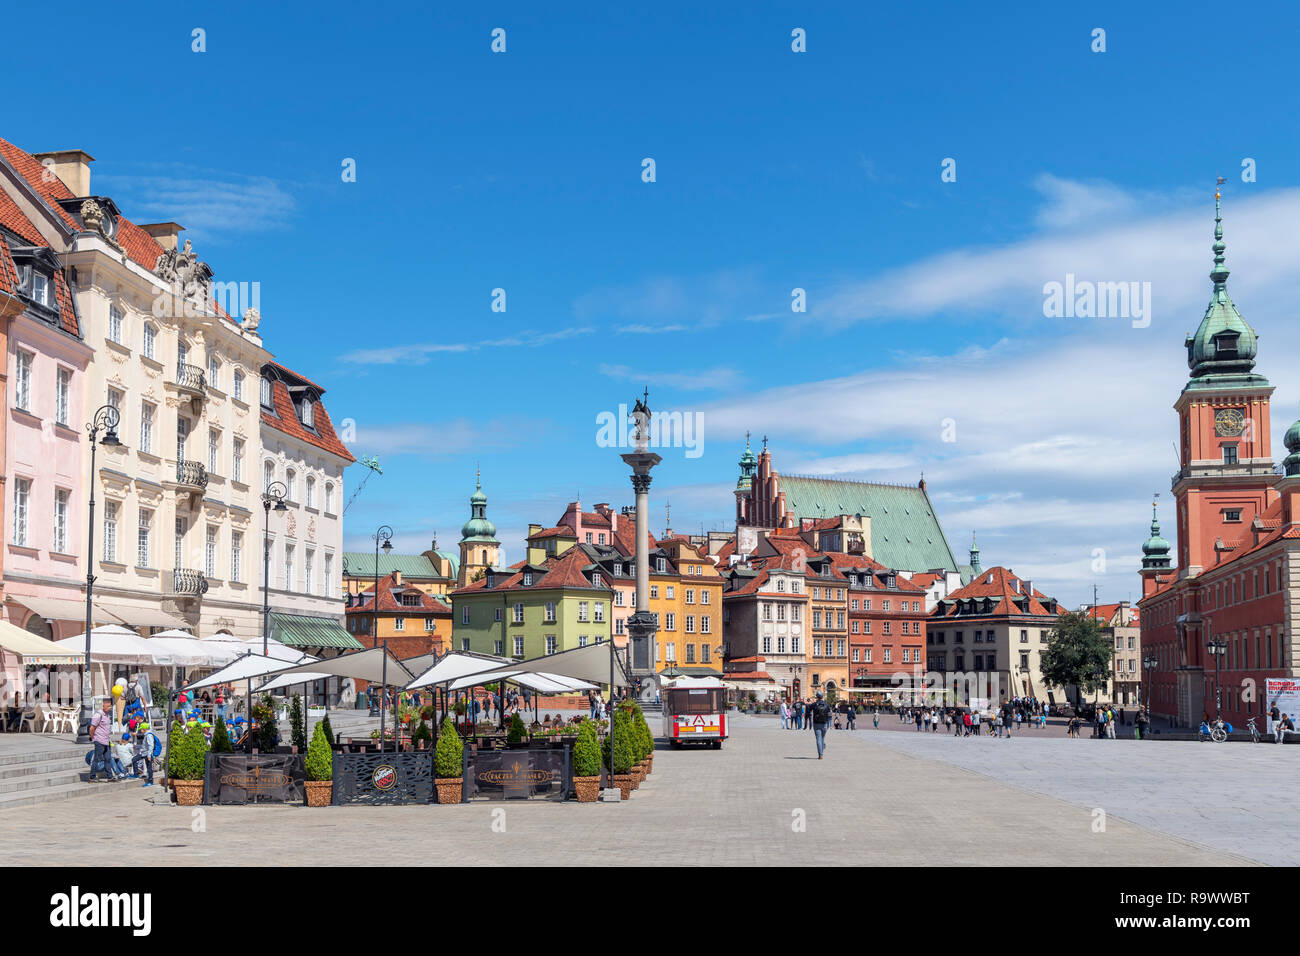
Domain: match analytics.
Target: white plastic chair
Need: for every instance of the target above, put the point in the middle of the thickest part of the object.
(45, 718)
(66, 720)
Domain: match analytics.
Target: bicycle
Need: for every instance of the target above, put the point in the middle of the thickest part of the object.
(1254, 732)
(1214, 732)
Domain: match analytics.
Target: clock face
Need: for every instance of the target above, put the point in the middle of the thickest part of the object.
(1229, 422)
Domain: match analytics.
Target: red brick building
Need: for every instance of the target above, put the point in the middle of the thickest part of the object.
(887, 614)
(1218, 623)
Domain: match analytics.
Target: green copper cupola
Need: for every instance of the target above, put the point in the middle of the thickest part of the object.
(748, 465)
(478, 527)
(1155, 552)
(1224, 346)
(1291, 463)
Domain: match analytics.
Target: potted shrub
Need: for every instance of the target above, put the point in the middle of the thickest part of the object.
(517, 733)
(329, 731)
(221, 739)
(647, 740)
(185, 765)
(586, 764)
(448, 763)
(267, 731)
(297, 725)
(620, 757)
(421, 736)
(320, 769)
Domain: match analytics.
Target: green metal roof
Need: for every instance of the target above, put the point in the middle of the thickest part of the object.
(361, 564)
(300, 630)
(905, 533)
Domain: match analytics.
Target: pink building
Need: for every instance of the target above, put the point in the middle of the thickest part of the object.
(44, 438)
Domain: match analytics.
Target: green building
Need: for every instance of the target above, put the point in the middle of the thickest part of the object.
(543, 605)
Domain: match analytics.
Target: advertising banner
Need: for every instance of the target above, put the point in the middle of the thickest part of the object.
(384, 778)
(1284, 693)
(512, 774)
(261, 778)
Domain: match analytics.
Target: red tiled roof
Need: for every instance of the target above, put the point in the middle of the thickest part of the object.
(8, 270)
(926, 578)
(561, 571)
(285, 419)
(563, 531)
(63, 296)
(429, 606)
(138, 244)
(594, 519)
(1002, 587)
(13, 218)
(51, 188)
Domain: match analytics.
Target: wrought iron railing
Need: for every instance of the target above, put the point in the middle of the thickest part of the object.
(190, 376)
(185, 581)
(191, 473)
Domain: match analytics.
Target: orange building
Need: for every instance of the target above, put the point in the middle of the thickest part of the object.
(411, 620)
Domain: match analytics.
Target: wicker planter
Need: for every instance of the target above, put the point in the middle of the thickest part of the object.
(638, 775)
(587, 788)
(449, 789)
(650, 764)
(320, 793)
(189, 793)
(624, 783)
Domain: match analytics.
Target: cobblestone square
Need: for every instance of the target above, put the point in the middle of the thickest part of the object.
(764, 799)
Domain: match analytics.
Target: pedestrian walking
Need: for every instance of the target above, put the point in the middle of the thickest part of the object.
(875, 720)
(785, 716)
(101, 729)
(821, 716)
(852, 715)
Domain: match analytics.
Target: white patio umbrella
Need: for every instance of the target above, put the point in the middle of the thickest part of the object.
(453, 665)
(115, 644)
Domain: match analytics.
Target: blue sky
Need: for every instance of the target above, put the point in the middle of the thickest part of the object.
(775, 170)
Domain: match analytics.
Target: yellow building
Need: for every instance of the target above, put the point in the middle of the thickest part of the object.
(686, 597)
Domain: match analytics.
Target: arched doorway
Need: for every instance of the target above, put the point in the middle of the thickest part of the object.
(39, 626)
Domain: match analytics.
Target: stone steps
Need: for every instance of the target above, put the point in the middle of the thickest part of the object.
(54, 772)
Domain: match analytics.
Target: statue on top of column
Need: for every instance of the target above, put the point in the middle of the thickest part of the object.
(641, 416)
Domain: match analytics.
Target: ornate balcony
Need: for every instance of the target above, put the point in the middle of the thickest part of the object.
(191, 379)
(188, 582)
(192, 476)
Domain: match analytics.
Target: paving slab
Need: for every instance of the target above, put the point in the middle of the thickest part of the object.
(763, 799)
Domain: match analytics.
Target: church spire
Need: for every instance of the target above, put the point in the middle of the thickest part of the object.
(974, 555)
(1219, 273)
(1155, 552)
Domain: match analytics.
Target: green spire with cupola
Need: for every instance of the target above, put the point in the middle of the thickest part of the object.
(974, 555)
(1155, 552)
(1223, 350)
(1291, 463)
(748, 465)
(478, 527)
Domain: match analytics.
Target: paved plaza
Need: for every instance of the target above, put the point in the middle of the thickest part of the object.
(877, 799)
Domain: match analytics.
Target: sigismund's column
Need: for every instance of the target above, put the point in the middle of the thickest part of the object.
(641, 625)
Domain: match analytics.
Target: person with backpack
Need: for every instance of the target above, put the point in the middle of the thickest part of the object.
(821, 717)
(101, 730)
(146, 747)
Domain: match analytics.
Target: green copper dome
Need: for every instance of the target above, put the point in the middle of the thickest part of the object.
(1156, 549)
(748, 465)
(1291, 463)
(478, 527)
(1224, 342)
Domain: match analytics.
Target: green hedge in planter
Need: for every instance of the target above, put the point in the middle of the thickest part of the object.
(187, 753)
(297, 724)
(421, 732)
(221, 739)
(624, 748)
(449, 753)
(586, 752)
(517, 731)
(320, 758)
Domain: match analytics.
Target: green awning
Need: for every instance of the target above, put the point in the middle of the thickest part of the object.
(300, 630)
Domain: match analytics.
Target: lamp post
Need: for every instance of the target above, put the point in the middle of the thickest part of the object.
(384, 535)
(105, 420)
(1218, 648)
(272, 500)
(1149, 663)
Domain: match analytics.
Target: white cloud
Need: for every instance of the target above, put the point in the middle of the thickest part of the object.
(206, 205)
(419, 353)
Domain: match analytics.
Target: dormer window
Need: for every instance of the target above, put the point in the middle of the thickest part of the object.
(266, 392)
(305, 412)
(40, 288)
(618, 570)
(528, 579)
(661, 565)
(1225, 345)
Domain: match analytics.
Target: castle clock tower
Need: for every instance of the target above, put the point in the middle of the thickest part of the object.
(1225, 474)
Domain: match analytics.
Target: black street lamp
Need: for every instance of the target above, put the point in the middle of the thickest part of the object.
(105, 420)
(272, 500)
(1218, 648)
(1149, 664)
(383, 539)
